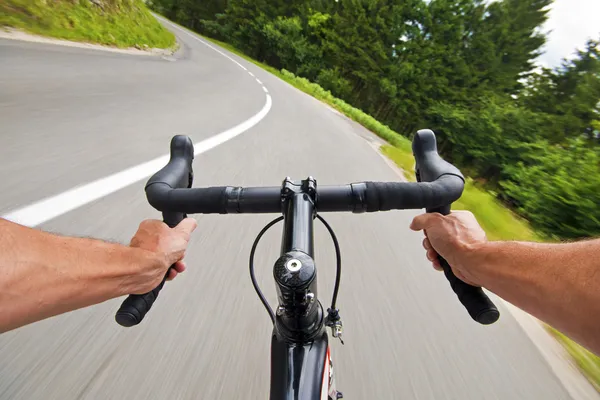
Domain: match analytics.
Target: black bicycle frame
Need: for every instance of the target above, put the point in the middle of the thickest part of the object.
(299, 342)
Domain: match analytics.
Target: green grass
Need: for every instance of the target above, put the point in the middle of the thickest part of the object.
(403, 158)
(586, 361)
(499, 222)
(120, 23)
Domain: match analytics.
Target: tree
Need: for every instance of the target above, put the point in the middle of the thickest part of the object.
(569, 95)
(506, 41)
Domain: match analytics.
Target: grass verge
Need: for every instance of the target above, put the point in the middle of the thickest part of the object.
(587, 362)
(497, 220)
(120, 23)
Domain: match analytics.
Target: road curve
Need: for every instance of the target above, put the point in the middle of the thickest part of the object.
(72, 116)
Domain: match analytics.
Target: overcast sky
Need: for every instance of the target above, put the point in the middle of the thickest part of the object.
(572, 22)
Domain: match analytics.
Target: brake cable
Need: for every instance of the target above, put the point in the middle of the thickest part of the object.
(332, 312)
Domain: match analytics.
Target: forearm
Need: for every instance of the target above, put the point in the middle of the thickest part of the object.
(42, 275)
(557, 283)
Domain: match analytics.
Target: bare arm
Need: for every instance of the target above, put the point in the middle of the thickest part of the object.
(558, 283)
(42, 274)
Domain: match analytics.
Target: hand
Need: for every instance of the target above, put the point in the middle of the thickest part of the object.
(455, 237)
(165, 246)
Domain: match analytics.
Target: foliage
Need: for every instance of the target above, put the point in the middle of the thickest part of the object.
(568, 95)
(559, 190)
(121, 23)
(488, 136)
(465, 68)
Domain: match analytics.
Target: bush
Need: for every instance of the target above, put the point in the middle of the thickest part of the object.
(486, 137)
(560, 191)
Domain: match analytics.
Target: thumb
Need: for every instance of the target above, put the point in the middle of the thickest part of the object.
(423, 221)
(186, 227)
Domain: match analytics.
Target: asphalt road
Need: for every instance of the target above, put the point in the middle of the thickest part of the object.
(71, 116)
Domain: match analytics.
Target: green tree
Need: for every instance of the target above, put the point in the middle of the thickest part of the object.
(569, 95)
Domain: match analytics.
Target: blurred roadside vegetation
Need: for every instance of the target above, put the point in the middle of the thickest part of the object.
(464, 68)
(528, 136)
(120, 23)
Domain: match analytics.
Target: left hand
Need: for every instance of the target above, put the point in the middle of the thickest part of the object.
(165, 246)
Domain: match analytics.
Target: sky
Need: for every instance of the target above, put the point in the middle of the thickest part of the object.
(571, 23)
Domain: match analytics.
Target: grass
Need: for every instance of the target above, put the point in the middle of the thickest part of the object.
(120, 23)
(586, 361)
(403, 158)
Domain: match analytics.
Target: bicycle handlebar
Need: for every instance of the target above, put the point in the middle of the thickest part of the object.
(431, 167)
(354, 197)
(439, 184)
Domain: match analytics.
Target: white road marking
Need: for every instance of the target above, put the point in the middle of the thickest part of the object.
(258, 80)
(52, 207)
(251, 74)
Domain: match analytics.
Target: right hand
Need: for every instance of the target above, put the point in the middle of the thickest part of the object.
(456, 237)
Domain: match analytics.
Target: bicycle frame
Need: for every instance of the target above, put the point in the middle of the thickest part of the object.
(300, 353)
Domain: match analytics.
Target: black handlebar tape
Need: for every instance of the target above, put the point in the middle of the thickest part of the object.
(478, 304)
(431, 167)
(136, 306)
(177, 174)
(384, 196)
(473, 298)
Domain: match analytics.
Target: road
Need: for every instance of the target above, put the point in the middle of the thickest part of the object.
(72, 116)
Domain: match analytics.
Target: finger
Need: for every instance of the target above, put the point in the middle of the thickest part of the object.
(171, 274)
(436, 265)
(179, 266)
(431, 255)
(424, 221)
(186, 227)
(427, 244)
